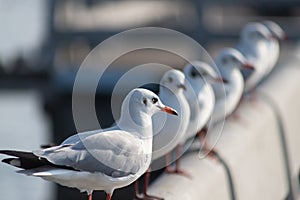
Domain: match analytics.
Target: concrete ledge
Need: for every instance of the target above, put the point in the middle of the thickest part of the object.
(251, 147)
(284, 89)
(209, 181)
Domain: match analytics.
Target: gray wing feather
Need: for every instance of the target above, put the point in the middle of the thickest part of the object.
(77, 137)
(114, 153)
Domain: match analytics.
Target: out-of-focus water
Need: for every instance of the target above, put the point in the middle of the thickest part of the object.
(23, 126)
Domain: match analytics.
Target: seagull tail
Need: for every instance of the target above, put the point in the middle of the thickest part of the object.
(13, 161)
(23, 160)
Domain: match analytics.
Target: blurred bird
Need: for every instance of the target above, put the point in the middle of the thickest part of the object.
(274, 44)
(169, 130)
(228, 95)
(103, 159)
(229, 62)
(200, 95)
(254, 45)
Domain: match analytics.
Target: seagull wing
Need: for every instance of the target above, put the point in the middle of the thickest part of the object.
(115, 153)
(73, 139)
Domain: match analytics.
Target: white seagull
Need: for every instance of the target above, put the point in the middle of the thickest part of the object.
(227, 95)
(100, 160)
(200, 95)
(274, 44)
(229, 62)
(254, 45)
(168, 130)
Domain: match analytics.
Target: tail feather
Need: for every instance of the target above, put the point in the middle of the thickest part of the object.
(27, 160)
(24, 160)
(12, 161)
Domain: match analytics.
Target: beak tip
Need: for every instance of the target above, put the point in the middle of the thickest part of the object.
(249, 66)
(169, 110)
(221, 80)
(182, 86)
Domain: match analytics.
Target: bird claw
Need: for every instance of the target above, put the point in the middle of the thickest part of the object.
(153, 197)
(209, 154)
(148, 197)
(212, 156)
(178, 171)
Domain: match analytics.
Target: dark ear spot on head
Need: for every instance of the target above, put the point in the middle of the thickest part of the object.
(145, 101)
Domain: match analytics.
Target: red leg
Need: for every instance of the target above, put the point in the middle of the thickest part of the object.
(90, 196)
(146, 183)
(136, 190)
(210, 153)
(108, 196)
(177, 168)
(146, 196)
(178, 154)
(168, 163)
(201, 135)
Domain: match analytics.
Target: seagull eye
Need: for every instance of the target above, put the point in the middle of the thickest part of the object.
(193, 73)
(224, 60)
(154, 100)
(145, 101)
(170, 79)
(233, 59)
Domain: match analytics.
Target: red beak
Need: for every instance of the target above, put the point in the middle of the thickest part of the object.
(182, 86)
(169, 110)
(273, 37)
(285, 37)
(248, 66)
(221, 80)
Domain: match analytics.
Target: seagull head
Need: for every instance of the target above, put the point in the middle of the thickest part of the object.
(230, 58)
(144, 100)
(173, 80)
(200, 71)
(275, 30)
(255, 32)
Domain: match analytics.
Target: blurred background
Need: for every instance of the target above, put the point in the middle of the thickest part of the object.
(43, 43)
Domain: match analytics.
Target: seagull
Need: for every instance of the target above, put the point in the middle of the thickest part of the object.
(99, 160)
(200, 95)
(168, 130)
(274, 46)
(168, 133)
(228, 94)
(254, 45)
(229, 62)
